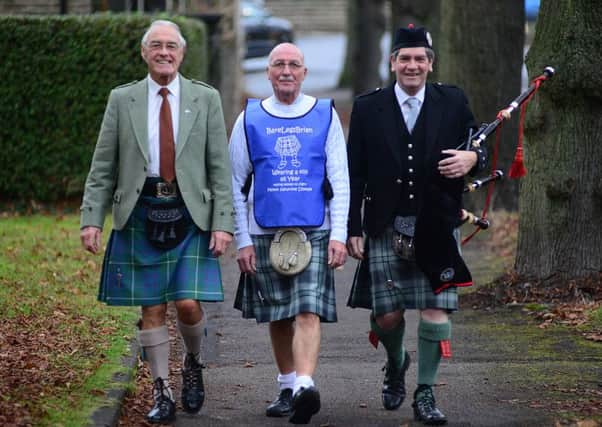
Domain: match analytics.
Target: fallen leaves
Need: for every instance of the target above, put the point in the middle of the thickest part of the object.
(35, 356)
(551, 302)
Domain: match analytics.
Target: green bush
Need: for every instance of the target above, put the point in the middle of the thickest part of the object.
(57, 73)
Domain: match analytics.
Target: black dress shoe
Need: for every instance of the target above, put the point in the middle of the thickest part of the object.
(424, 407)
(282, 406)
(394, 384)
(164, 410)
(306, 403)
(193, 391)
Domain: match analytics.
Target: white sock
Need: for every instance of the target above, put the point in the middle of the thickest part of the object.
(287, 380)
(304, 381)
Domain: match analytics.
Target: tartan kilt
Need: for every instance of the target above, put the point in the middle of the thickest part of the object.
(384, 283)
(268, 296)
(135, 273)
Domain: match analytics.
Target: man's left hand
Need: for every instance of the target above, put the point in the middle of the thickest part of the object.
(457, 164)
(337, 254)
(219, 242)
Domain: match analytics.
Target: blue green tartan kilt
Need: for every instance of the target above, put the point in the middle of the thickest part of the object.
(268, 296)
(384, 283)
(136, 273)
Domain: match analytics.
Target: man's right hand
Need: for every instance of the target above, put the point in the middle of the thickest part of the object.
(91, 238)
(355, 246)
(247, 260)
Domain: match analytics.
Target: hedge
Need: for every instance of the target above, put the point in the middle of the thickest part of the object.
(57, 72)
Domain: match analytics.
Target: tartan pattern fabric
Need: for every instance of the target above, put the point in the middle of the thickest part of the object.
(384, 283)
(268, 296)
(135, 273)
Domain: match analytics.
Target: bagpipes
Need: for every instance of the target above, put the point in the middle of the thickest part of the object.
(517, 169)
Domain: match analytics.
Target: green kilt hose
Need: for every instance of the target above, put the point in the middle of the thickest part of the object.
(135, 272)
(268, 296)
(384, 283)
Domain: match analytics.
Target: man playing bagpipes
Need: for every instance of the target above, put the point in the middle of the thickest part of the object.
(408, 176)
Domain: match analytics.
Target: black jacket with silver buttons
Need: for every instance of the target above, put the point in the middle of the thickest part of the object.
(390, 171)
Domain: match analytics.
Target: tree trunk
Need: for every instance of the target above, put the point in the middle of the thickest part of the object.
(421, 13)
(346, 76)
(481, 51)
(560, 227)
(226, 68)
(369, 24)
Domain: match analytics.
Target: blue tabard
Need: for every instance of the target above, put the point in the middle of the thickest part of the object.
(289, 160)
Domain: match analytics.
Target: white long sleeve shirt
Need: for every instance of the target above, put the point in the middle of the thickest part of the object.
(335, 218)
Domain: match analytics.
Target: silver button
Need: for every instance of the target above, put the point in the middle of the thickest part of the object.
(410, 183)
(398, 180)
(410, 146)
(411, 170)
(410, 157)
(389, 283)
(411, 196)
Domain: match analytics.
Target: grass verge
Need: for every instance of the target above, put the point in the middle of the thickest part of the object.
(59, 347)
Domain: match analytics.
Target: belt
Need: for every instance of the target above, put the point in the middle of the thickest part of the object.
(156, 187)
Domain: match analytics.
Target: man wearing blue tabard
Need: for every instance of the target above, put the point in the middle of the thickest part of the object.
(293, 147)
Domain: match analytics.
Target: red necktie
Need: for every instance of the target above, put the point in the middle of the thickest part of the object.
(167, 149)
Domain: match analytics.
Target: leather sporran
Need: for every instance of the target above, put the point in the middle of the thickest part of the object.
(403, 237)
(165, 227)
(290, 251)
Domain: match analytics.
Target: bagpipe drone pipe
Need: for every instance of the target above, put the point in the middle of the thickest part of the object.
(436, 238)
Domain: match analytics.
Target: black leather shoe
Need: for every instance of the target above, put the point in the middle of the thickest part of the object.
(282, 406)
(424, 407)
(306, 403)
(164, 410)
(394, 384)
(193, 391)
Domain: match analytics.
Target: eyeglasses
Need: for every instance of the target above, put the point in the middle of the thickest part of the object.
(281, 65)
(170, 46)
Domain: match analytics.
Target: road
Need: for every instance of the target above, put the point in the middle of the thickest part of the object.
(240, 378)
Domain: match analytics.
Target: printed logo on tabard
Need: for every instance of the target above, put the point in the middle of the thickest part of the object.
(447, 274)
(288, 147)
(290, 175)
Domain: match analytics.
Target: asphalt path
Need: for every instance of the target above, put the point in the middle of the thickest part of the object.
(241, 377)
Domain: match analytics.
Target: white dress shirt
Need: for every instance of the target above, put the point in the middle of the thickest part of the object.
(337, 208)
(401, 96)
(154, 108)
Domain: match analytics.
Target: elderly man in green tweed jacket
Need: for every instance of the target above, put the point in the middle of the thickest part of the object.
(161, 159)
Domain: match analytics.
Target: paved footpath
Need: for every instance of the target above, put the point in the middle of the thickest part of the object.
(240, 379)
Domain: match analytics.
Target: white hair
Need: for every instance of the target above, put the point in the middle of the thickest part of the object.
(165, 22)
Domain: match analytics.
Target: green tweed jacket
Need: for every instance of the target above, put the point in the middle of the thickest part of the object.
(120, 159)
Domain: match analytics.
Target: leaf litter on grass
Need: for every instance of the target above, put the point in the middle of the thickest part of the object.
(54, 335)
